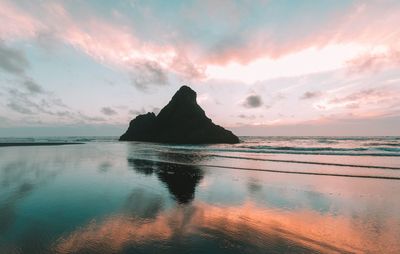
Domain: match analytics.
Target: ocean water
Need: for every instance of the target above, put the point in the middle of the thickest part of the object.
(264, 195)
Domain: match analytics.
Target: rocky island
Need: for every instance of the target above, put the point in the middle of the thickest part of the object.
(181, 121)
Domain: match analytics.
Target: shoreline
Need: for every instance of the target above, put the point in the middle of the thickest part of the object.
(39, 144)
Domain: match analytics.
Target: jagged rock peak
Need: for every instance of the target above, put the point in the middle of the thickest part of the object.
(185, 94)
(181, 121)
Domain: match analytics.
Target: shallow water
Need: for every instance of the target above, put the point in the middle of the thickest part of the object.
(111, 197)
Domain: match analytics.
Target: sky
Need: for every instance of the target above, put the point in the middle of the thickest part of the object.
(259, 67)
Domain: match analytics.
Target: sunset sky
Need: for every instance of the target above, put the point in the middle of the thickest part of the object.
(263, 67)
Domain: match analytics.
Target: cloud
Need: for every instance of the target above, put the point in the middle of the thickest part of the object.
(196, 53)
(22, 102)
(226, 36)
(153, 109)
(250, 117)
(326, 127)
(365, 103)
(310, 95)
(12, 60)
(137, 112)
(104, 40)
(181, 64)
(45, 107)
(253, 101)
(108, 111)
(19, 108)
(90, 119)
(187, 46)
(374, 61)
(340, 24)
(365, 95)
(32, 87)
(16, 23)
(148, 73)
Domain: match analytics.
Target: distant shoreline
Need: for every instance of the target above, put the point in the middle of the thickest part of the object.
(39, 144)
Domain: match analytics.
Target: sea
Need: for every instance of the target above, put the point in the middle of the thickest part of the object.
(263, 195)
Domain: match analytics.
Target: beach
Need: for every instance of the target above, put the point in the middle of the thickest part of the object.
(263, 195)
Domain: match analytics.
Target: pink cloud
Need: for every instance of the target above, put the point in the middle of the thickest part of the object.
(117, 45)
(15, 23)
(112, 44)
(374, 61)
(367, 24)
(367, 96)
(362, 104)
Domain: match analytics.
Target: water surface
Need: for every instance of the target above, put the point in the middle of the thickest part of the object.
(264, 195)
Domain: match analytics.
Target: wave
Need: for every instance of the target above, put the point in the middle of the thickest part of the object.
(291, 148)
(316, 149)
(334, 138)
(307, 162)
(284, 160)
(278, 171)
(383, 144)
(294, 150)
(324, 141)
(384, 154)
(387, 149)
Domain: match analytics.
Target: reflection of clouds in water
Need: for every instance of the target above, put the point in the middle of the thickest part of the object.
(140, 204)
(112, 235)
(105, 166)
(288, 231)
(181, 180)
(33, 239)
(17, 180)
(253, 185)
(24, 170)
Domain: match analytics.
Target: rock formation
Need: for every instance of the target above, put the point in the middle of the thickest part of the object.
(181, 121)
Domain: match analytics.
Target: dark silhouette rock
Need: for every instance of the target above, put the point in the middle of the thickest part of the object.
(181, 121)
(140, 128)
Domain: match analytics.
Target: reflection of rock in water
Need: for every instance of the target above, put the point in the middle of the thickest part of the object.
(181, 180)
(145, 167)
(187, 158)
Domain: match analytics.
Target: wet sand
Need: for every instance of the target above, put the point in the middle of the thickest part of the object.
(123, 197)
